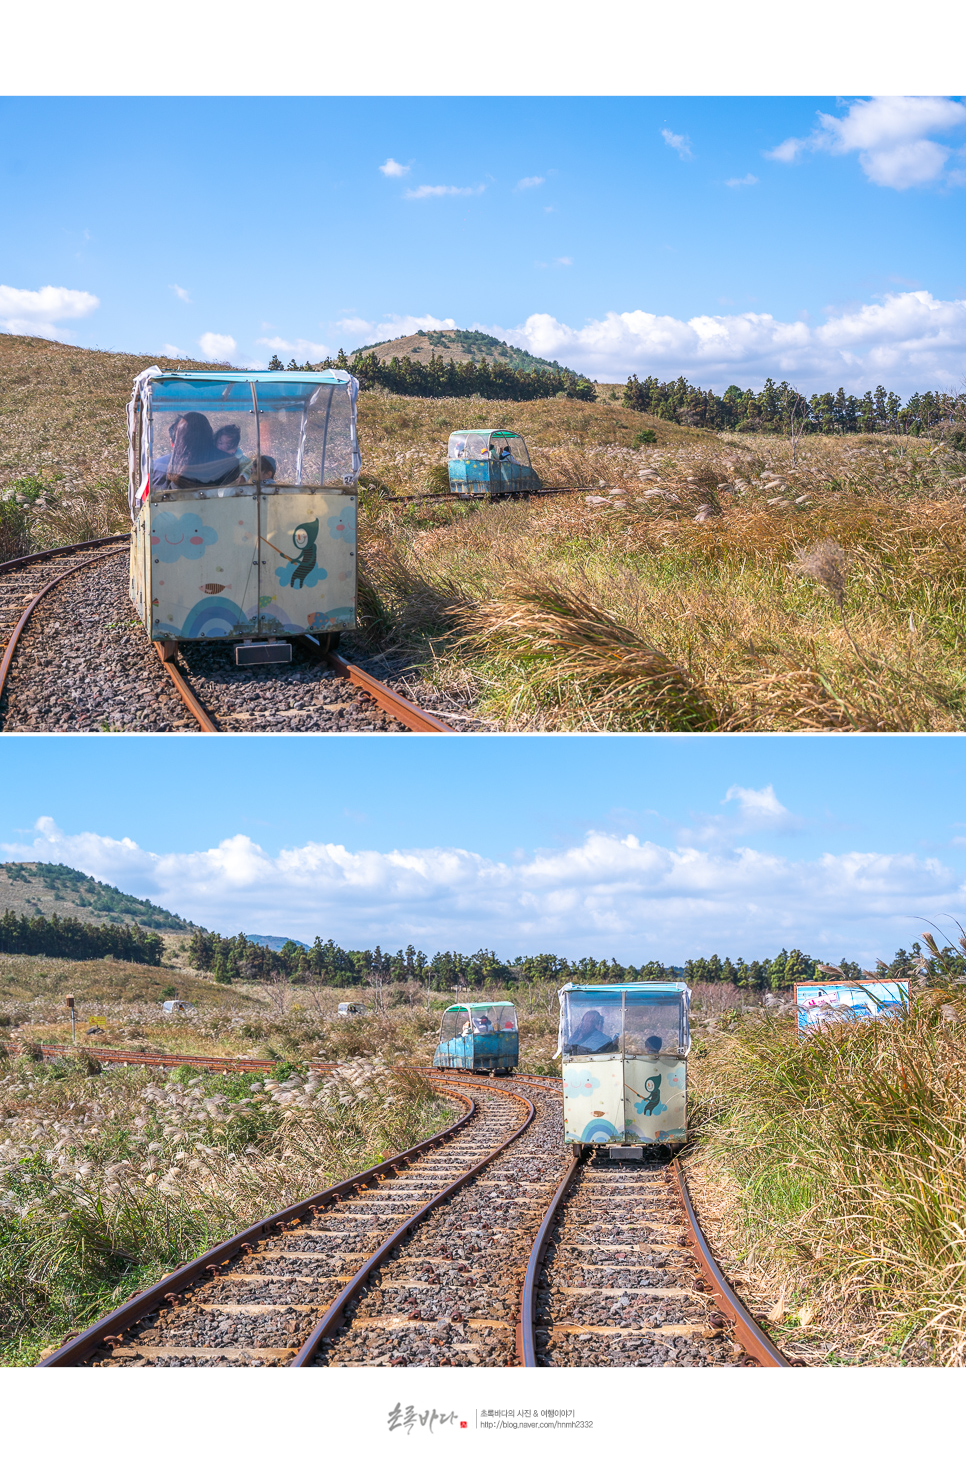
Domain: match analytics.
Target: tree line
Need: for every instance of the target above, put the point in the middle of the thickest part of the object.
(331, 966)
(441, 378)
(79, 941)
(782, 410)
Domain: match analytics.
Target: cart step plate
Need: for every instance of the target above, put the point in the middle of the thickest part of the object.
(627, 1153)
(273, 652)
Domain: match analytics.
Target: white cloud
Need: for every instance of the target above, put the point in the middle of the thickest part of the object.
(741, 183)
(170, 351)
(908, 340)
(531, 182)
(758, 809)
(563, 261)
(680, 142)
(219, 347)
(180, 293)
(301, 348)
(891, 136)
(434, 191)
(392, 170)
(395, 325)
(627, 897)
(760, 805)
(24, 311)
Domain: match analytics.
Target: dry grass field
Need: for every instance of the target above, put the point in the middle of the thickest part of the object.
(699, 583)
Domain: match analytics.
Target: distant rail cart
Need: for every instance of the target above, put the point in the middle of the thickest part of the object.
(352, 1010)
(482, 1037)
(242, 491)
(484, 462)
(177, 1005)
(624, 1049)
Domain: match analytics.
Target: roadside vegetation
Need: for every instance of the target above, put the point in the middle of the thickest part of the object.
(829, 1174)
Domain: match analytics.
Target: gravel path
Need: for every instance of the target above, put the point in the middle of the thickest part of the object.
(620, 1286)
(84, 664)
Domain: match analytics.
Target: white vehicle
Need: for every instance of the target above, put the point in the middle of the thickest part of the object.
(347, 1010)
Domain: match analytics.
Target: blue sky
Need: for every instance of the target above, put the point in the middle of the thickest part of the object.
(726, 238)
(635, 847)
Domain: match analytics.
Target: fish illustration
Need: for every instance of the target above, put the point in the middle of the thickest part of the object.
(265, 600)
(213, 588)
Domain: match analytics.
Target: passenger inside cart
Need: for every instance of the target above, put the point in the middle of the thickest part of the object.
(195, 458)
(589, 1037)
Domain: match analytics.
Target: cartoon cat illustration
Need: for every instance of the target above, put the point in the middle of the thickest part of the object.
(653, 1100)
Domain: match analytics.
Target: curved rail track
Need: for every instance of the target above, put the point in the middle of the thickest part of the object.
(500, 1250)
(26, 582)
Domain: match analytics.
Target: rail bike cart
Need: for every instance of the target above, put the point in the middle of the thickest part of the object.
(481, 1037)
(624, 1073)
(242, 490)
(484, 462)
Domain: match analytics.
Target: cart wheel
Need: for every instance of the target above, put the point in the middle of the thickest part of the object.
(329, 643)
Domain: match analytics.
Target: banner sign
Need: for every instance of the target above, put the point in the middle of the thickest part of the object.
(845, 1002)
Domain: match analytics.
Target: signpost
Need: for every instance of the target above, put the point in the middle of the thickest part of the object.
(70, 1005)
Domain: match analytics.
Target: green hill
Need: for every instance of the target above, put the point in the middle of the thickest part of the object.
(460, 346)
(33, 889)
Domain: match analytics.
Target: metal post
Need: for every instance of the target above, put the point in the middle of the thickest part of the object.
(70, 1005)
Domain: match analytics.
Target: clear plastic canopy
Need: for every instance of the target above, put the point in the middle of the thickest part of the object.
(636, 1021)
(478, 1019)
(258, 429)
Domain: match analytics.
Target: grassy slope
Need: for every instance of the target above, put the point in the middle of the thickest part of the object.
(32, 890)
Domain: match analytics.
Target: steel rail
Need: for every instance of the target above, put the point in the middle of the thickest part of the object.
(229, 1063)
(758, 1346)
(336, 1312)
(526, 1334)
(488, 496)
(388, 700)
(8, 653)
(187, 693)
(41, 557)
(224, 1063)
(116, 1322)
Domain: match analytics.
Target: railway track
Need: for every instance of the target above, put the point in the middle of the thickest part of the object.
(494, 1249)
(74, 657)
(621, 1275)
